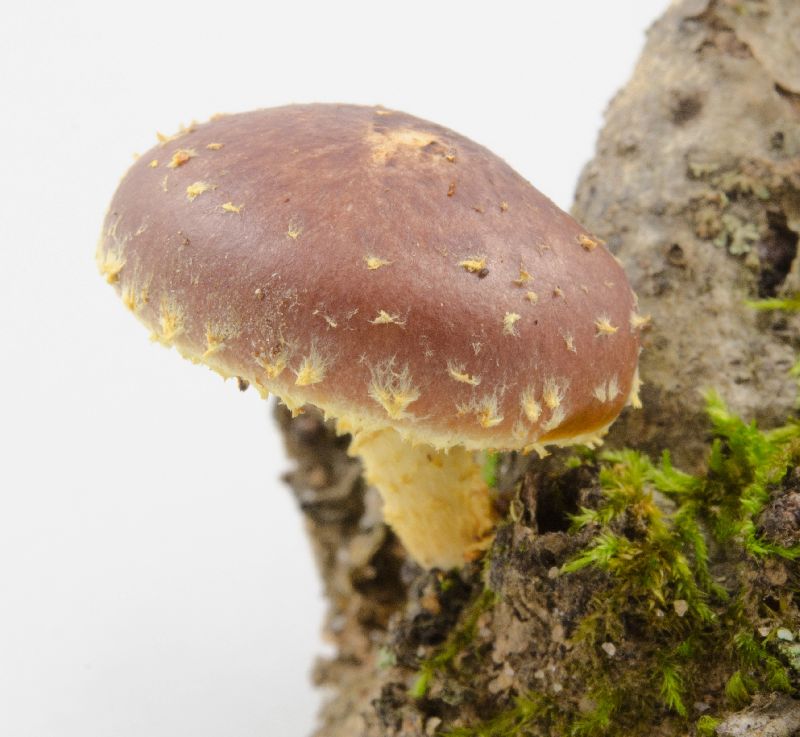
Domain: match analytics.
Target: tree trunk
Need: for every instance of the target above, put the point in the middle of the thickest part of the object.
(696, 188)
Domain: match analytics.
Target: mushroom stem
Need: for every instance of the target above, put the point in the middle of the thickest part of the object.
(436, 502)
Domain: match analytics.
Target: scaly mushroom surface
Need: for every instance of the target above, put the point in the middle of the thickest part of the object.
(394, 274)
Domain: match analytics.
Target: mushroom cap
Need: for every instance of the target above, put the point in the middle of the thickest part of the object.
(381, 267)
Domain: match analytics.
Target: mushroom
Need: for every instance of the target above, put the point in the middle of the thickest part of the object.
(392, 273)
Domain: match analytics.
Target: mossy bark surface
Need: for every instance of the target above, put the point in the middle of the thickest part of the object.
(696, 188)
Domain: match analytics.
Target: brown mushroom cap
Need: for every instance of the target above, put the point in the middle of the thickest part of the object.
(380, 267)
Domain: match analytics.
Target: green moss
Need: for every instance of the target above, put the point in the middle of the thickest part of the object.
(744, 464)
(527, 713)
(598, 719)
(659, 565)
(787, 304)
(489, 469)
(738, 689)
(651, 536)
(459, 639)
(706, 726)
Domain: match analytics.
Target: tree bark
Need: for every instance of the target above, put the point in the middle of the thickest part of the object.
(695, 187)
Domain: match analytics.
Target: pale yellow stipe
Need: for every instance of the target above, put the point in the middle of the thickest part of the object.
(437, 502)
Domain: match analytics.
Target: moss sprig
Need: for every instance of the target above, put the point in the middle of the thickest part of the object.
(459, 639)
(744, 464)
(528, 713)
(790, 303)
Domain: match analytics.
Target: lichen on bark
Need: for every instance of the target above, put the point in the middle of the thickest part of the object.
(695, 186)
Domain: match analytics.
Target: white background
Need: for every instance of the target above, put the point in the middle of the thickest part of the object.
(155, 580)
